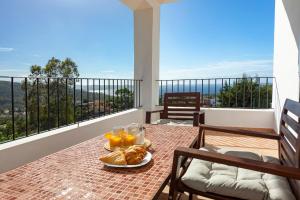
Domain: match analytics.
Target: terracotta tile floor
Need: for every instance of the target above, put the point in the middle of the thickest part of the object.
(219, 140)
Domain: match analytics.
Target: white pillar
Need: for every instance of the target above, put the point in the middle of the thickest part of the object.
(146, 54)
(286, 54)
(146, 48)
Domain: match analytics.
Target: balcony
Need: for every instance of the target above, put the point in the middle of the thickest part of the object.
(47, 117)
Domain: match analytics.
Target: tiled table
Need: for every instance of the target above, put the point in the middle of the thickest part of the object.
(77, 173)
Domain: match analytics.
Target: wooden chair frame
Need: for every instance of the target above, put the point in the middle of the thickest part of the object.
(290, 160)
(184, 106)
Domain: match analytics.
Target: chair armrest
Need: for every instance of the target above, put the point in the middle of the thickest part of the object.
(155, 111)
(255, 165)
(148, 115)
(240, 132)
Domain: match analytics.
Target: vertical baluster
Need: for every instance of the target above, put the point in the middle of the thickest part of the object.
(215, 103)
(48, 102)
(236, 93)
(251, 95)
(104, 101)
(267, 85)
(94, 98)
(183, 85)
(202, 98)
(66, 101)
(26, 107)
(88, 98)
(161, 95)
(117, 94)
(196, 85)
(190, 85)
(136, 91)
(110, 99)
(38, 104)
(222, 89)
(209, 91)
(166, 86)
(12, 107)
(178, 85)
(120, 92)
(259, 92)
(229, 94)
(244, 91)
(113, 95)
(81, 106)
(125, 94)
(99, 97)
(132, 90)
(58, 102)
(128, 95)
(172, 86)
(74, 100)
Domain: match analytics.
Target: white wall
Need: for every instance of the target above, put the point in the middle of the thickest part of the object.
(232, 117)
(286, 53)
(247, 118)
(25, 150)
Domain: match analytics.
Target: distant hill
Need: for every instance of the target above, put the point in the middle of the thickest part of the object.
(19, 95)
(5, 95)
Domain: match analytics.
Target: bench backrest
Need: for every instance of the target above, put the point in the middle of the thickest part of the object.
(181, 105)
(289, 145)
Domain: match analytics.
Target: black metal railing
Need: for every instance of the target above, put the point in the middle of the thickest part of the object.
(30, 105)
(245, 92)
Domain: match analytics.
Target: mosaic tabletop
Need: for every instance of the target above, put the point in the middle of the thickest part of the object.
(77, 173)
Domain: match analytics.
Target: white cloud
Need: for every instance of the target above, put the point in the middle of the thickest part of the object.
(220, 69)
(108, 74)
(13, 72)
(6, 49)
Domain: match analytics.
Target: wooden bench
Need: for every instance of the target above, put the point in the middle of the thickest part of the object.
(180, 106)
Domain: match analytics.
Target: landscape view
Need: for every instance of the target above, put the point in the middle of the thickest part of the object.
(43, 102)
(51, 79)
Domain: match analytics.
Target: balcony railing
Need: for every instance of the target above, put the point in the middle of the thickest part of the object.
(31, 105)
(246, 92)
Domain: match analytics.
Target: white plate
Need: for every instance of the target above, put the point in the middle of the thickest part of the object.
(146, 160)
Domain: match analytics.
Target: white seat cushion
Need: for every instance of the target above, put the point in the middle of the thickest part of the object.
(237, 182)
(174, 122)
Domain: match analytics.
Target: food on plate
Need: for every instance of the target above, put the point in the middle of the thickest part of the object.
(115, 158)
(132, 156)
(135, 155)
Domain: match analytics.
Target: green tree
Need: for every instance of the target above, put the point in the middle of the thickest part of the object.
(246, 92)
(56, 76)
(123, 99)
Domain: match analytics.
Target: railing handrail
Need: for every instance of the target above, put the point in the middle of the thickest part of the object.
(253, 77)
(51, 77)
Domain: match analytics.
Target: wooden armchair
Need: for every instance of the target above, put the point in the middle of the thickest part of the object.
(269, 168)
(180, 106)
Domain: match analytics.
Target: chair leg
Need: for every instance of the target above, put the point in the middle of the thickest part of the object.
(190, 196)
(172, 195)
(203, 140)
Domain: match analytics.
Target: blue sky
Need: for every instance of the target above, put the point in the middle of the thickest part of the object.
(199, 38)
